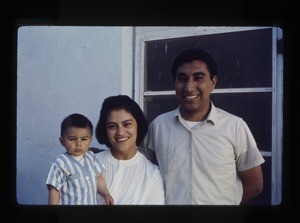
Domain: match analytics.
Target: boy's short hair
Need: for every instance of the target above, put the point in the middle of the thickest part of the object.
(75, 120)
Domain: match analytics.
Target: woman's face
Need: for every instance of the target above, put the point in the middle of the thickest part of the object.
(121, 128)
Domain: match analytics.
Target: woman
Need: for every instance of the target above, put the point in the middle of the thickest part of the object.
(130, 177)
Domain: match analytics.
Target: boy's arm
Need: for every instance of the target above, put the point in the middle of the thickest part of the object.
(103, 190)
(54, 196)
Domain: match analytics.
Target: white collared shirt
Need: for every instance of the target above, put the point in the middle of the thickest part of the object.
(132, 182)
(199, 165)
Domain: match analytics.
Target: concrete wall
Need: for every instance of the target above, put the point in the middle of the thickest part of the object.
(62, 70)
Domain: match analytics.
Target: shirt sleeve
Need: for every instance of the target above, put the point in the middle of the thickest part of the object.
(56, 177)
(157, 194)
(98, 165)
(147, 145)
(248, 155)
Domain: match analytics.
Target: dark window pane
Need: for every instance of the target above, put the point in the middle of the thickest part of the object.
(255, 109)
(244, 58)
(156, 105)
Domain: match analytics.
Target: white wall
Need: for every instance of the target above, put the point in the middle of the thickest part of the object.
(62, 70)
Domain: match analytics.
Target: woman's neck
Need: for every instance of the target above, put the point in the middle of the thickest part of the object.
(123, 155)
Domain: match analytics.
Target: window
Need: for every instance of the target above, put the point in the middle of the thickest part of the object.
(250, 82)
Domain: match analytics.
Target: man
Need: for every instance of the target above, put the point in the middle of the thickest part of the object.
(206, 155)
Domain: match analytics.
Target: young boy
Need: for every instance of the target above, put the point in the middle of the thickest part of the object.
(75, 176)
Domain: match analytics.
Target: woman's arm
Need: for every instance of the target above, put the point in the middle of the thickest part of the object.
(157, 195)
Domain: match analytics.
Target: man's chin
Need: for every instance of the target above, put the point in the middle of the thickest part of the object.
(189, 108)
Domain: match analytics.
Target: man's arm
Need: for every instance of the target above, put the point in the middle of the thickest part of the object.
(252, 180)
(145, 149)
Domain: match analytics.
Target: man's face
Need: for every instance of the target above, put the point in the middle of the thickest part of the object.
(193, 87)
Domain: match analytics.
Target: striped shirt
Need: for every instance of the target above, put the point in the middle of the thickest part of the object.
(76, 183)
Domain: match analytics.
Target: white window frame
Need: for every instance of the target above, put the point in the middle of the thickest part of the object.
(144, 34)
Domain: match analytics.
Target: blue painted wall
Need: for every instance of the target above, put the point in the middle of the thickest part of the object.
(62, 70)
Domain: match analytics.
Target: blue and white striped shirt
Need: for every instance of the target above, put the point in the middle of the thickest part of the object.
(77, 183)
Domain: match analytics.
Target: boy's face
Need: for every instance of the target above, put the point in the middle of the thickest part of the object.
(76, 140)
